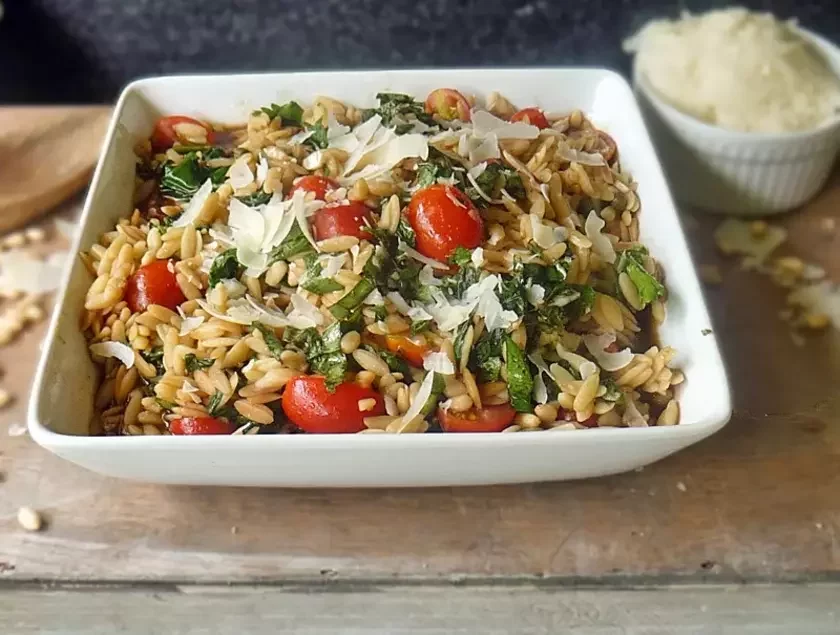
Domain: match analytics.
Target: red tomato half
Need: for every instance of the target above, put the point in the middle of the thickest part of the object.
(443, 218)
(165, 134)
(311, 407)
(411, 350)
(153, 284)
(341, 219)
(200, 425)
(533, 116)
(448, 104)
(488, 419)
(318, 185)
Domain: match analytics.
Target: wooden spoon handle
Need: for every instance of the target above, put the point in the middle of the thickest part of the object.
(47, 154)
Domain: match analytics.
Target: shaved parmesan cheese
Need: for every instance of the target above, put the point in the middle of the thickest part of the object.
(313, 160)
(565, 298)
(536, 294)
(365, 141)
(823, 297)
(540, 389)
(335, 130)
(399, 302)
(478, 189)
(117, 350)
(632, 418)
(233, 288)
(416, 255)
(247, 223)
(544, 191)
(596, 344)
(445, 405)
(477, 170)
(374, 298)
(188, 325)
(20, 272)
(544, 235)
(194, 207)
(304, 314)
(237, 312)
(419, 314)
(420, 398)
(587, 369)
(299, 209)
(391, 152)
(262, 171)
(735, 237)
(449, 316)
(601, 244)
(240, 174)
(427, 277)
(486, 124)
(561, 375)
(578, 156)
(477, 257)
(575, 361)
(484, 149)
(265, 315)
(331, 265)
(301, 136)
(488, 305)
(439, 362)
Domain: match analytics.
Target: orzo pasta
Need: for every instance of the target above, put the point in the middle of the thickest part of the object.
(405, 268)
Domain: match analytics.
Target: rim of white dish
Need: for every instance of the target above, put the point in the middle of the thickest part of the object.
(824, 46)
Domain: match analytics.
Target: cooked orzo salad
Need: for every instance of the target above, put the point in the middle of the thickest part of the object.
(437, 266)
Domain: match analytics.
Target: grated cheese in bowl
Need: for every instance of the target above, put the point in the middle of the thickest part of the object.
(739, 70)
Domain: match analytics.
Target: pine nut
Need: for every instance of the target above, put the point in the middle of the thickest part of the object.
(350, 342)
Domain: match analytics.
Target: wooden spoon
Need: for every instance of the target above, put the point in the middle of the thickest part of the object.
(47, 154)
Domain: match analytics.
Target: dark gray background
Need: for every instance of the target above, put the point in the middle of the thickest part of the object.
(86, 50)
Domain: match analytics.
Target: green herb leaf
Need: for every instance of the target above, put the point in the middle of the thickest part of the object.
(290, 113)
(194, 363)
(495, 178)
(319, 137)
(405, 233)
(519, 380)
(632, 263)
(182, 181)
(225, 266)
(419, 326)
(486, 356)
(461, 256)
(155, 358)
(614, 393)
(438, 166)
(323, 352)
(215, 402)
(355, 297)
(321, 286)
(438, 386)
(166, 405)
(458, 342)
(257, 198)
(275, 346)
(399, 111)
(293, 246)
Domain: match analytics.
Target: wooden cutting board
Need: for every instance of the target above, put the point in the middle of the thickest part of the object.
(47, 154)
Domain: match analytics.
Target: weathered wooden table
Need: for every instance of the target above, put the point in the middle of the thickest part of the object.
(757, 502)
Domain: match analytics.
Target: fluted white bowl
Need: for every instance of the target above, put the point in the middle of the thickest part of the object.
(746, 173)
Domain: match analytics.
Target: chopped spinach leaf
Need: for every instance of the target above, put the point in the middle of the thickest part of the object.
(495, 178)
(215, 402)
(519, 380)
(458, 342)
(312, 280)
(613, 393)
(257, 198)
(342, 309)
(438, 166)
(405, 233)
(166, 405)
(275, 346)
(486, 356)
(438, 386)
(461, 256)
(293, 246)
(155, 358)
(419, 326)
(194, 363)
(318, 139)
(456, 285)
(322, 351)
(631, 263)
(225, 266)
(290, 113)
(399, 111)
(182, 181)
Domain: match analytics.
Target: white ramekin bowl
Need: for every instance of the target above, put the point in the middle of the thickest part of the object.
(747, 173)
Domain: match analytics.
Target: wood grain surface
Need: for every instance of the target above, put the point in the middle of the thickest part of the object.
(759, 500)
(424, 610)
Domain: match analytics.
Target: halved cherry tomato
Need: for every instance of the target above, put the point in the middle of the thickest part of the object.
(443, 218)
(165, 134)
(533, 116)
(312, 408)
(200, 425)
(153, 284)
(448, 104)
(341, 219)
(318, 185)
(411, 350)
(488, 419)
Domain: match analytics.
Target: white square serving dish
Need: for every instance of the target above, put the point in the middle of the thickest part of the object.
(61, 403)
